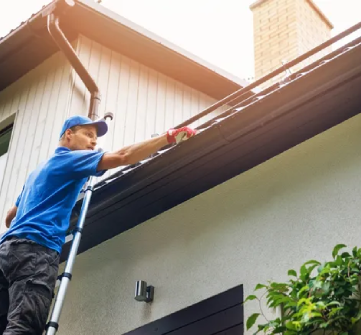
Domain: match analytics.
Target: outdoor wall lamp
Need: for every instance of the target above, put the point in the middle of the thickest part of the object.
(143, 292)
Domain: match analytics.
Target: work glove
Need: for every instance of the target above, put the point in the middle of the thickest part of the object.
(180, 135)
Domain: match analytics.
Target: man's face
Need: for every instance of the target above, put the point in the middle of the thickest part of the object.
(82, 138)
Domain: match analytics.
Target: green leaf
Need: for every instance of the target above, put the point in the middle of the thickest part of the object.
(292, 273)
(291, 304)
(315, 315)
(303, 289)
(338, 261)
(310, 269)
(283, 300)
(250, 297)
(252, 319)
(334, 311)
(333, 303)
(324, 290)
(320, 268)
(279, 286)
(320, 305)
(336, 249)
(306, 317)
(259, 286)
(339, 292)
(303, 301)
(279, 330)
(264, 327)
(324, 325)
(315, 284)
(303, 272)
(293, 325)
(312, 262)
(357, 318)
(261, 327)
(325, 269)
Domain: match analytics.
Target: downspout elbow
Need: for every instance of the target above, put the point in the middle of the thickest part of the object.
(64, 45)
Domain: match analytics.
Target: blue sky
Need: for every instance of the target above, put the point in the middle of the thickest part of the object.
(219, 31)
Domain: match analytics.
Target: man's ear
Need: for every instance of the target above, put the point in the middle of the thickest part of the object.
(68, 133)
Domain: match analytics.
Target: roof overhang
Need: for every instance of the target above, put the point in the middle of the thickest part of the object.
(30, 44)
(311, 103)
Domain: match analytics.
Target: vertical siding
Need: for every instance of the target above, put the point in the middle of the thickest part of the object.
(142, 104)
(39, 102)
(144, 101)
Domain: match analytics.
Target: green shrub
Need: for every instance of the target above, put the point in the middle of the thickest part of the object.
(321, 297)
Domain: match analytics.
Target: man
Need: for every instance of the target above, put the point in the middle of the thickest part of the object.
(30, 249)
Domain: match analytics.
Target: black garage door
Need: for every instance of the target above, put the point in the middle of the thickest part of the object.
(219, 315)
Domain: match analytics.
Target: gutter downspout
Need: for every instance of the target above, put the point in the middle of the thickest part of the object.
(64, 45)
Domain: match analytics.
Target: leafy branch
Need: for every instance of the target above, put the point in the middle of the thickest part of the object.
(321, 297)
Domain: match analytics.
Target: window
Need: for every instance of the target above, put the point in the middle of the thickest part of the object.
(5, 135)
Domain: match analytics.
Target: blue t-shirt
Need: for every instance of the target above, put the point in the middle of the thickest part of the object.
(49, 195)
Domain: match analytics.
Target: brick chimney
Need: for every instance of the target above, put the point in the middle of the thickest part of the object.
(286, 29)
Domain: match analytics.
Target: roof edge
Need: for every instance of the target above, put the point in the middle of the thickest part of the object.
(109, 14)
(34, 29)
(30, 24)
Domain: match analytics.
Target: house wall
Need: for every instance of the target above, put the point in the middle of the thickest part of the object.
(143, 101)
(39, 103)
(250, 229)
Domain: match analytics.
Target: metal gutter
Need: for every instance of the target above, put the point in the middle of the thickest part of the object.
(248, 100)
(18, 36)
(241, 92)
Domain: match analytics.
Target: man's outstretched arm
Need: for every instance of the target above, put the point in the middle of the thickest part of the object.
(10, 216)
(136, 152)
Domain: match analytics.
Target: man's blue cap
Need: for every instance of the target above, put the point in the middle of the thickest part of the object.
(79, 120)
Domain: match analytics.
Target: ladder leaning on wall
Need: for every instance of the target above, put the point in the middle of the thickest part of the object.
(53, 325)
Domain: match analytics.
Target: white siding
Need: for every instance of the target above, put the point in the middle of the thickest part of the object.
(250, 229)
(39, 102)
(3, 160)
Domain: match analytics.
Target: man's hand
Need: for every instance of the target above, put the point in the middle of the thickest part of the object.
(180, 135)
(136, 152)
(10, 216)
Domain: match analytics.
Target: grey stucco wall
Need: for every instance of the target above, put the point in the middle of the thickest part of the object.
(293, 208)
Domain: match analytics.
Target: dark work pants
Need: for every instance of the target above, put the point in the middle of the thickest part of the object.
(28, 273)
